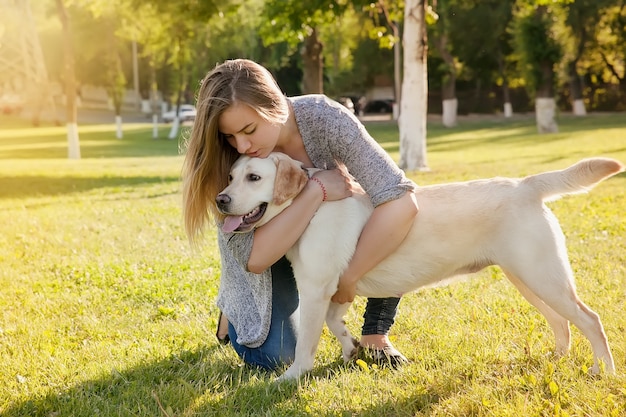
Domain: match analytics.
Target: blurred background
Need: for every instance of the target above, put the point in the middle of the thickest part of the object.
(142, 57)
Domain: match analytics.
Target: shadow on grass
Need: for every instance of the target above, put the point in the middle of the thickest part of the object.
(41, 186)
(195, 383)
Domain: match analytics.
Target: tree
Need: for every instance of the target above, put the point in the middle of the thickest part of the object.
(413, 107)
(611, 48)
(299, 24)
(539, 52)
(445, 9)
(485, 55)
(179, 25)
(582, 19)
(73, 143)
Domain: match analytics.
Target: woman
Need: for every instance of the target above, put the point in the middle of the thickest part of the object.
(241, 110)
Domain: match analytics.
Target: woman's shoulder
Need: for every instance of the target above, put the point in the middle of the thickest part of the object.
(312, 108)
(314, 102)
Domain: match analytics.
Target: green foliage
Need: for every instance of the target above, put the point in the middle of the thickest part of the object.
(387, 18)
(292, 20)
(536, 45)
(106, 311)
(191, 36)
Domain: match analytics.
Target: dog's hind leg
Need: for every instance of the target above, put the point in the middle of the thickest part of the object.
(556, 289)
(337, 325)
(559, 324)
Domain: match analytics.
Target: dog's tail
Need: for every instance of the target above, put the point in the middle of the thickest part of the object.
(578, 178)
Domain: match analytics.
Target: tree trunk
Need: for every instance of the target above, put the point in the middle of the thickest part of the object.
(312, 70)
(576, 90)
(413, 106)
(181, 88)
(448, 93)
(506, 94)
(545, 104)
(154, 102)
(448, 88)
(397, 74)
(119, 132)
(73, 143)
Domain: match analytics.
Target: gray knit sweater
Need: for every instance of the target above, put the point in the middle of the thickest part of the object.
(332, 135)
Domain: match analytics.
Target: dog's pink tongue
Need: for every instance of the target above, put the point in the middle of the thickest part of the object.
(231, 223)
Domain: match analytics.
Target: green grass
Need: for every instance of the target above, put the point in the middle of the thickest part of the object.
(104, 309)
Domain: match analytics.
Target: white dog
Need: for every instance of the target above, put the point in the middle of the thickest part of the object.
(461, 228)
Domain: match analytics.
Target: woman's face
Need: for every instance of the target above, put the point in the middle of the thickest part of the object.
(248, 132)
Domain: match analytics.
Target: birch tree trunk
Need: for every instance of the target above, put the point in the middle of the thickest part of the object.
(73, 143)
(413, 107)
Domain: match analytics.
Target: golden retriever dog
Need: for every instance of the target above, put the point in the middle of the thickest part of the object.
(461, 228)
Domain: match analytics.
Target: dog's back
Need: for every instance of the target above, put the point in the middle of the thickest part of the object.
(461, 228)
(466, 226)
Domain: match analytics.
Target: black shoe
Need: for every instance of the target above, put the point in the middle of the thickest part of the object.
(387, 356)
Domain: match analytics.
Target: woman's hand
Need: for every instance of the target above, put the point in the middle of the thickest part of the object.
(336, 184)
(346, 291)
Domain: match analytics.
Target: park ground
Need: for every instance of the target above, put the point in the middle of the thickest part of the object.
(106, 310)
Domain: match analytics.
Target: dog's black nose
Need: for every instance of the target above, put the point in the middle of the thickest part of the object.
(222, 199)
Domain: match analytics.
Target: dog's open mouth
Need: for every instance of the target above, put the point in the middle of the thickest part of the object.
(244, 223)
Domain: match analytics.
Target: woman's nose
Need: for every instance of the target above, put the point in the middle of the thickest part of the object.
(242, 144)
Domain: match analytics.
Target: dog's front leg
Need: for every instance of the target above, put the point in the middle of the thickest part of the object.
(337, 325)
(313, 307)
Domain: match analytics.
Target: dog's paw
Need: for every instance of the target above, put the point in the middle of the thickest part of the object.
(352, 354)
(293, 373)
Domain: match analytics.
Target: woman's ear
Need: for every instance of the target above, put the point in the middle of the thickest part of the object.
(290, 179)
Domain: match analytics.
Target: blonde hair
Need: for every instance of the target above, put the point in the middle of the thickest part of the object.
(208, 156)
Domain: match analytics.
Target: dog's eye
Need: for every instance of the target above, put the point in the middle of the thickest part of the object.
(230, 178)
(253, 177)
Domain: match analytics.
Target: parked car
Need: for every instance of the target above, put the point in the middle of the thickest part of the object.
(347, 102)
(379, 106)
(187, 113)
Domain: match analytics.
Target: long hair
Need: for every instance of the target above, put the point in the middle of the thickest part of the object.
(208, 156)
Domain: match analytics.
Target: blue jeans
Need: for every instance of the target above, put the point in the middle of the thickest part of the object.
(280, 346)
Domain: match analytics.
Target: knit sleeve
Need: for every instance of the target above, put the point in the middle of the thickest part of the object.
(239, 247)
(244, 297)
(334, 136)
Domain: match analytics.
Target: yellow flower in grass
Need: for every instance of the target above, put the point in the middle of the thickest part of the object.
(362, 365)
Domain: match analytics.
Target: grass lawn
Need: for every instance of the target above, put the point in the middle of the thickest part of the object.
(105, 310)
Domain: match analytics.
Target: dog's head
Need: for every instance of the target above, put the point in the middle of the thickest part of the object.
(258, 189)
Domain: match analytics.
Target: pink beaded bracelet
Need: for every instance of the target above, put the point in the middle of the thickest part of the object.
(319, 182)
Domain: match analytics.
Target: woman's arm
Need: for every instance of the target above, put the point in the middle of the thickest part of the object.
(384, 231)
(273, 239)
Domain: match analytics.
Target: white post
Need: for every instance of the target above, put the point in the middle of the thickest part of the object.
(73, 146)
(450, 111)
(545, 113)
(118, 125)
(155, 126)
(508, 110)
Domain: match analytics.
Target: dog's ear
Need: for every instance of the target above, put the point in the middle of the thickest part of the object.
(290, 180)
